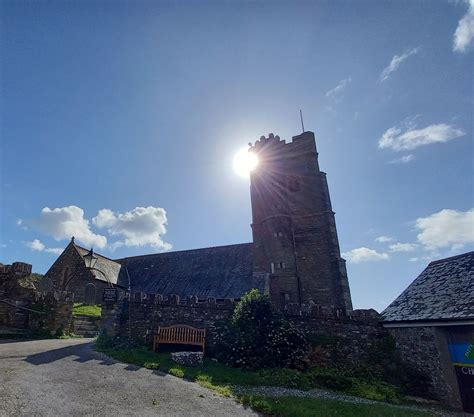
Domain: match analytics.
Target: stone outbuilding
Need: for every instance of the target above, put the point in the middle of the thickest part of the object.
(432, 322)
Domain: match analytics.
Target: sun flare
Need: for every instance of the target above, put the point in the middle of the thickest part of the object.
(245, 162)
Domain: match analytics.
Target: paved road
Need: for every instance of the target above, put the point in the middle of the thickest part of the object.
(67, 378)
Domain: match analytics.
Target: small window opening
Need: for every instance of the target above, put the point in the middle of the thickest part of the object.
(294, 185)
(277, 265)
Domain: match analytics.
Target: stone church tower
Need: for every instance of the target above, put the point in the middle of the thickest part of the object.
(293, 226)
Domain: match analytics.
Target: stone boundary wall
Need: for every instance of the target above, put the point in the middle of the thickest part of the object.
(58, 306)
(139, 315)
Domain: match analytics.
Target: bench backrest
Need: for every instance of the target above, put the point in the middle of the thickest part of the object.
(181, 334)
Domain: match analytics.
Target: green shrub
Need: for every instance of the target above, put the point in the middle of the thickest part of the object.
(258, 336)
(176, 372)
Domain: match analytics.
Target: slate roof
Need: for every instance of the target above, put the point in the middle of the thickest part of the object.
(443, 291)
(219, 272)
(112, 269)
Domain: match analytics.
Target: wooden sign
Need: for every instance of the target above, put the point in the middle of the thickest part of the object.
(110, 294)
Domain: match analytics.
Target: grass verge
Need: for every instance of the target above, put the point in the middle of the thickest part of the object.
(220, 378)
(316, 407)
(86, 310)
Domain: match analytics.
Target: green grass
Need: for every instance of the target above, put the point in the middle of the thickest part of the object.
(316, 407)
(86, 310)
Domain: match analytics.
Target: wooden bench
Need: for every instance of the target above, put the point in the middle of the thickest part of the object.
(180, 335)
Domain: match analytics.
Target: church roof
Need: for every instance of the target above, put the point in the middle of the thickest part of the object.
(219, 272)
(112, 269)
(443, 291)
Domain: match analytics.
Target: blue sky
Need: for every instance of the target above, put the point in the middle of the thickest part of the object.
(120, 120)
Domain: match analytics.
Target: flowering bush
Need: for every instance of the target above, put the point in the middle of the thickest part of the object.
(258, 336)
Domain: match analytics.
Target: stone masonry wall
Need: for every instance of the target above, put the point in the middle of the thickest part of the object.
(147, 312)
(426, 349)
(358, 332)
(58, 318)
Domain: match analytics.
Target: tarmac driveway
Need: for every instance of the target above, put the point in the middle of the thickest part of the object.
(67, 378)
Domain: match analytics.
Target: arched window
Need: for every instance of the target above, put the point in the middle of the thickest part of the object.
(89, 294)
(66, 277)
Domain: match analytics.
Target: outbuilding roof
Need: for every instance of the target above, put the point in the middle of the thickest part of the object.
(443, 291)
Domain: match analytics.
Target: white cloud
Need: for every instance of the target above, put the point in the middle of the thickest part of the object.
(65, 222)
(384, 239)
(446, 229)
(408, 138)
(403, 160)
(403, 247)
(38, 246)
(395, 63)
(337, 92)
(464, 34)
(413, 259)
(363, 254)
(141, 226)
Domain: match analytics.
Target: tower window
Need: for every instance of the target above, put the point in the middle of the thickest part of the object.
(284, 298)
(277, 265)
(278, 234)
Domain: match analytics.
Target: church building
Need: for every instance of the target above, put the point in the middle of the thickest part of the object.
(294, 256)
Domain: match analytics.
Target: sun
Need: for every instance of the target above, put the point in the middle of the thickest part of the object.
(245, 162)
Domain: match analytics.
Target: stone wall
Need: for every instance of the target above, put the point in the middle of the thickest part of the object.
(351, 337)
(426, 350)
(57, 318)
(15, 291)
(147, 312)
(356, 333)
(23, 306)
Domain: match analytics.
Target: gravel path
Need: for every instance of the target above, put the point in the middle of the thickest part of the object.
(331, 395)
(45, 378)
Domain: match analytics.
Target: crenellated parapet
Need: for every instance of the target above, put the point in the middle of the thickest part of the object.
(16, 268)
(175, 300)
(321, 311)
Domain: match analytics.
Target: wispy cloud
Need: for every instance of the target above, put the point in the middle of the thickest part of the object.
(446, 229)
(395, 63)
(403, 160)
(337, 92)
(464, 35)
(364, 254)
(384, 239)
(403, 247)
(38, 246)
(407, 137)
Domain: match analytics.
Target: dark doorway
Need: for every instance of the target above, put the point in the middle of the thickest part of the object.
(89, 294)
